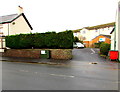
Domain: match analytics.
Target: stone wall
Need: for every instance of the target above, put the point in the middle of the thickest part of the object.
(35, 53)
(61, 54)
(22, 53)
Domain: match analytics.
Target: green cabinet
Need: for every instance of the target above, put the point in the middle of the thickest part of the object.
(45, 54)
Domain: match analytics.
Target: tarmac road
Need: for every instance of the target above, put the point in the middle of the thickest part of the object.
(78, 74)
(88, 55)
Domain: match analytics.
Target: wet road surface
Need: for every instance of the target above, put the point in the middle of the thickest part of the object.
(78, 74)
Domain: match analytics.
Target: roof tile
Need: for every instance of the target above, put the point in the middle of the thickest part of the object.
(7, 18)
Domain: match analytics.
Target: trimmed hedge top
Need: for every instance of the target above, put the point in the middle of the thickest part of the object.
(51, 40)
(104, 48)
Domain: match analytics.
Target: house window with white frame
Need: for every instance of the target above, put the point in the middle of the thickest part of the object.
(84, 32)
(1, 30)
(96, 30)
(103, 29)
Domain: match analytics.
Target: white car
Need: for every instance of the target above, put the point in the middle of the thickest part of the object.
(78, 45)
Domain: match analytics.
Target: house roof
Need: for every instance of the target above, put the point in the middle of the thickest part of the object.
(77, 30)
(101, 26)
(96, 27)
(107, 36)
(7, 18)
(12, 17)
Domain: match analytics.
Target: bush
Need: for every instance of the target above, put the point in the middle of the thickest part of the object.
(97, 45)
(104, 48)
(51, 40)
(77, 40)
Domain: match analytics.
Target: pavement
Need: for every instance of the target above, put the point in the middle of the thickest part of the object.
(33, 60)
(86, 71)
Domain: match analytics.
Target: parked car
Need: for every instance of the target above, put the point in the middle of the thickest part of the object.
(78, 45)
(74, 45)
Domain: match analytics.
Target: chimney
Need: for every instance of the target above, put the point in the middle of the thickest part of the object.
(20, 10)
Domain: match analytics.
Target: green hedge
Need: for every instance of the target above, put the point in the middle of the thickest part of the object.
(52, 40)
(104, 48)
(97, 45)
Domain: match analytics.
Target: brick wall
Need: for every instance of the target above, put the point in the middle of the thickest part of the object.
(61, 54)
(35, 53)
(22, 53)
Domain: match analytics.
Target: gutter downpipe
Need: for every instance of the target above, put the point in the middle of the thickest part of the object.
(115, 38)
(8, 29)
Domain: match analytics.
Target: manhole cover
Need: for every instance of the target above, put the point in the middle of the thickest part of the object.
(93, 63)
(3, 60)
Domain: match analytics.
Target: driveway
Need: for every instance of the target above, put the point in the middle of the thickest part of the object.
(78, 74)
(88, 55)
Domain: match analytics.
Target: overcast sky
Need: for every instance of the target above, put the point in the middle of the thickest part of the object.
(61, 15)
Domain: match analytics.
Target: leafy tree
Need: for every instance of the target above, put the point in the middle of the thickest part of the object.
(77, 40)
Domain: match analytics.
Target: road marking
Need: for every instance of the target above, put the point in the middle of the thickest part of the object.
(62, 75)
(24, 70)
(36, 72)
(117, 82)
(92, 51)
(59, 75)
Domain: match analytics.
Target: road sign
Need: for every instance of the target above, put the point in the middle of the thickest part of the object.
(101, 39)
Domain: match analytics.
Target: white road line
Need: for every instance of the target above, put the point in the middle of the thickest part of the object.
(24, 70)
(116, 82)
(58, 75)
(92, 51)
(36, 72)
(62, 75)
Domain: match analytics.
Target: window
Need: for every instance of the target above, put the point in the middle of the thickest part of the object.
(96, 30)
(1, 30)
(84, 38)
(13, 23)
(101, 39)
(103, 29)
(84, 32)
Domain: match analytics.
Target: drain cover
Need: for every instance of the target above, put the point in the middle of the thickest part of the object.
(93, 63)
(3, 60)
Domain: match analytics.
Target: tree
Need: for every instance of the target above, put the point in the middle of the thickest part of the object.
(77, 40)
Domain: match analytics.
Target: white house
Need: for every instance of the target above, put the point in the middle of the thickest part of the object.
(115, 39)
(89, 33)
(15, 23)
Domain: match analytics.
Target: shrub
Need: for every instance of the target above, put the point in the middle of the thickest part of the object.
(12, 41)
(52, 40)
(77, 40)
(104, 48)
(97, 45)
